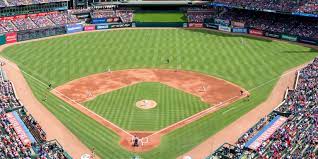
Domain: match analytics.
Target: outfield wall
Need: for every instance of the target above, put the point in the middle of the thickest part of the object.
(217, 24)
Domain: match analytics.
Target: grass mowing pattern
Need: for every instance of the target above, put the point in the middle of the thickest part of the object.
(120, 106)
(63, 59)
(159, 17)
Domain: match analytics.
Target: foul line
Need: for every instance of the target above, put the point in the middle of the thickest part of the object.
(36, 79)
(195, 116)
(229, 110)
(64, 107)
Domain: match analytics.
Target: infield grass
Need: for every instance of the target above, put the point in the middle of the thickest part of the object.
(254, 65)
(120, 106)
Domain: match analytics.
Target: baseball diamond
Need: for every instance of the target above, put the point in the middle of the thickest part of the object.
(158, 79)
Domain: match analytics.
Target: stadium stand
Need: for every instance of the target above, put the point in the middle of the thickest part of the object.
(296, 137)
(126, 16)
(20, 134)
(302, 6)
(9, 3)
(198, 16)
(31, 22)
(278, 23)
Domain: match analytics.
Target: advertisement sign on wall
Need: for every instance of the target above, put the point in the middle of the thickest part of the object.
(89, 28)
(112, 20)
(290, 38)
(211, 25)
(308, 41)
(119, 25)
(195, 25)
(221, 21)
(20, 128)
(73, 28)
(256, 32)
(98, 20)
(238, 24)
(2, 39)
(225, 28)
(102, 26)
(239, 30)
(272, 35)
(11, 38)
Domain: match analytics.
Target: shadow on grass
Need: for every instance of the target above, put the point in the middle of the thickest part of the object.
(313, 51)
(221, 34)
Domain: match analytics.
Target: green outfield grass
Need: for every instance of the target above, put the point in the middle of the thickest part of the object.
(159, 17)
(120, 106)
(253, 64)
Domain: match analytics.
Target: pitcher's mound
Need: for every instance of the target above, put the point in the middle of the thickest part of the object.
(146, 104)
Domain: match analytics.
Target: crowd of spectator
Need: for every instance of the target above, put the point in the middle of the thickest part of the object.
(24, 24)
(302, 6)
(10, 3)
(50, 149)
(36, 129)
(298, 136)
(11, 146)
(37, 22)
(198, 16)
(8, 99)
(43, 21)
(271, 22)
(126, 16)
(63, 18)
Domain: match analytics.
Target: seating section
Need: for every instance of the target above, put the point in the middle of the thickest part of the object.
(297, 137)
(10, 3)
(43, 22)
(36, 22)
(25, 24)
(8, 100)
(12, 145)
(302, 6)
(8, 26)
(278, 23)
(125, 15)
(198, 16)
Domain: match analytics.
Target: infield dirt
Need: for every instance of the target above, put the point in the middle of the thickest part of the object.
(214, 91)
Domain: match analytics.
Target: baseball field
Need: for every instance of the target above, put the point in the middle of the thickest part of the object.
(249, 63)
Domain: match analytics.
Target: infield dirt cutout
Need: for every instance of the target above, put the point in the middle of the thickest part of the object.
(218, 93)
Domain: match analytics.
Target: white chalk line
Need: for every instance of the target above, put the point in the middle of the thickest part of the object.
(207, 111)
(229, 110)
(204, 112)
(62, 106)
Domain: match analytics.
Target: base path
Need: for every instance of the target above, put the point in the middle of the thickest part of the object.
(214, 91)
(231, 133)
(51, 125)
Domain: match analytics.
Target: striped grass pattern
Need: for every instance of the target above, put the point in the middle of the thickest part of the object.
(120, 106)
(246, 61)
